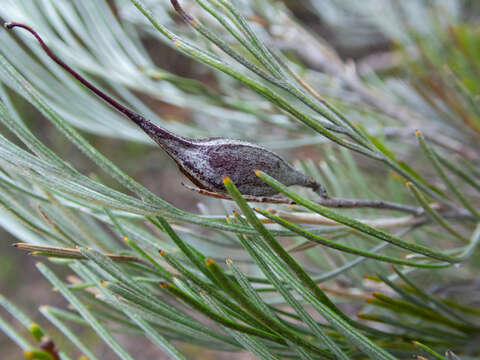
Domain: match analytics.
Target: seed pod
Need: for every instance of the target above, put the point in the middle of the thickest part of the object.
(206, 161)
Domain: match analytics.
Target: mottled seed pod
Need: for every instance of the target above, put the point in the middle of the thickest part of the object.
(206, 161)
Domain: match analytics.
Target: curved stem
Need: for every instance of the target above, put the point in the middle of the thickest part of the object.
(160, 135)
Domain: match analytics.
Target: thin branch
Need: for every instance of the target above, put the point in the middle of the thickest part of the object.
(383, 223)
(330, 202)
(316, 219)
(249, 198)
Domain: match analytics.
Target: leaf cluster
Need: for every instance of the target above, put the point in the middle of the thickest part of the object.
(272, 280)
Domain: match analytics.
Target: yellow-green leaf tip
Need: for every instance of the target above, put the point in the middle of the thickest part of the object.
(209, 262)
(28, 353)
(36, 331)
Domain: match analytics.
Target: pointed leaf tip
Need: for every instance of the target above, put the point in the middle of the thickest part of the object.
(36, 331)
(126, 239)
(226, 180)
(209, 262)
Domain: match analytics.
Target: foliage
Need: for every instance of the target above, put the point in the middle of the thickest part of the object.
(394, 143)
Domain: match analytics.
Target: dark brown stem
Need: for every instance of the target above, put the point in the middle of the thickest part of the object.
(157, 133)
(187, 18)
(249, 198)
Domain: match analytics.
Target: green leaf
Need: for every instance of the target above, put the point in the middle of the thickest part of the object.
(357, 225)
(328, 310)
(83, 310)
(335, 245)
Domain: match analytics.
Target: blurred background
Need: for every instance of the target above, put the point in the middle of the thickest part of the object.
(361, 49)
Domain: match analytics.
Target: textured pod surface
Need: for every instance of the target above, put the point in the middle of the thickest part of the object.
(207, 161)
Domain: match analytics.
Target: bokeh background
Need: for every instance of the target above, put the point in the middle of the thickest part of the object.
(353, 37)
